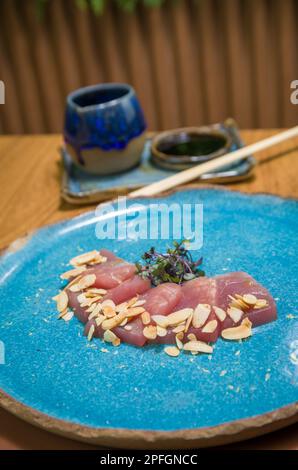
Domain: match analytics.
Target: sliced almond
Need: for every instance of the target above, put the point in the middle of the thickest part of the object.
(210, 327)
(116, 342)
(139, 303)
(68, 316)
(132, 301)
(198, 346)
(146, 319)
(150, 332)
(98, 259)
(238, 332)
(160, 320)
(261, 303)
(111, 323)
(108, 311)
(191, 337)
(179, 317)
(128, 327)
(188, 322)
(180, 327)
(178, 338)
(161, 331)
(95, 311)
(109, 336)
(172, 351)
(237, 302)
(91, 332)
(201, 315)
(99, 319)
(134, 311)
(95, 290)
(235, 313)
(73, 272)
(62, 301)
(84, 282)
(249, 299)
(124, 322)
(220, 313)
(121, 307)
(84, 258)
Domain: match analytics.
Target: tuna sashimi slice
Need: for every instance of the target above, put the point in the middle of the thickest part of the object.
(128, 289)
(111, 273)
(162, 300)
(242, 283)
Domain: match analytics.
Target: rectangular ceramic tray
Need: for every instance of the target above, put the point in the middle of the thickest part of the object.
(79, 187)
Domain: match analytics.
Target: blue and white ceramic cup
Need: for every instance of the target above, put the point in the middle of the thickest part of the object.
(104, 130)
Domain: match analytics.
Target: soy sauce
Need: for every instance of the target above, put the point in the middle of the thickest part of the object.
(192, 144)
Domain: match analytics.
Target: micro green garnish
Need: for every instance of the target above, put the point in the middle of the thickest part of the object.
(176, 265)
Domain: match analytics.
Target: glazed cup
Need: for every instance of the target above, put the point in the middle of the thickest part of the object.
(104, 130)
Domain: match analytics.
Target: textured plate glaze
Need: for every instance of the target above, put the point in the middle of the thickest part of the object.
(141, 397)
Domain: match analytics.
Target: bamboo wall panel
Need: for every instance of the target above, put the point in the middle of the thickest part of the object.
(192, 62)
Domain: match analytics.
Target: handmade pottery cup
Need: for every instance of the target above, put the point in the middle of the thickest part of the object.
(104, 131)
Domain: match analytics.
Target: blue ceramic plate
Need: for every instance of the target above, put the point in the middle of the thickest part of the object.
(131, 397)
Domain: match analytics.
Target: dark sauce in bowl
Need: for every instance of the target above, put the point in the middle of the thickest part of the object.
(185, 144)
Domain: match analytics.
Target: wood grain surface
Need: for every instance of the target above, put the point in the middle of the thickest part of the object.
(30, 190)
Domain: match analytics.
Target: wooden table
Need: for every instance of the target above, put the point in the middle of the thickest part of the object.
(30, 197)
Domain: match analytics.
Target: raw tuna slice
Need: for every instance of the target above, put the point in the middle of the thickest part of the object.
(111, 273)
(162, 300)
(128, 289)
(242, 283)
(198, 291)
(109, 255)
(159, 300)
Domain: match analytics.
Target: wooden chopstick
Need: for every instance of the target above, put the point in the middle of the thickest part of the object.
(231, 157)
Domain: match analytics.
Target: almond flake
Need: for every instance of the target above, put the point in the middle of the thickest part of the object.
(201, 315)
(116, 342)
(161, 331)
(238, 332)
(68, 316)
(95, 290)
(73, 272)
(188, 322)
(128, 327)
(132, 301)
(261, 303)
(238, 302)
(146, 319)
(139, 303)
(180, 327)
(249, 299)
(220, 313)
(91, 332)
(198, 346)
(178, 341)
(62, 301)
(192, 337)
(111, 323)
(84, 282)
(172, 351)
(134, 311)
(108, 311)
(109, 336)
(150, 332)
(124, 322)
(179, 317)
(160, 320)
(210, 327)
(84, 258)
(95, 312)
(235, 314)
(99, 319)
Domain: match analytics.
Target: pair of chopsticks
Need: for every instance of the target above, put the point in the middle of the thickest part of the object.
(215, 164)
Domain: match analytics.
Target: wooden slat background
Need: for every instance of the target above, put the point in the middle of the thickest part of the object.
(192, 62)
